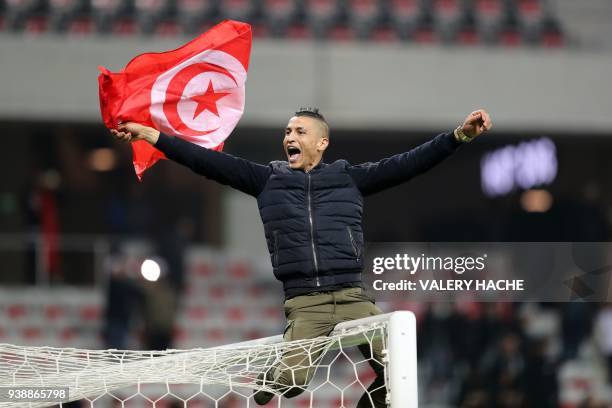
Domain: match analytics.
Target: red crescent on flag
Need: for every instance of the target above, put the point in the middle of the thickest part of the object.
(174, 95)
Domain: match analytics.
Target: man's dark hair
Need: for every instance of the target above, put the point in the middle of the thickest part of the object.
(311, 112)
(314, 113)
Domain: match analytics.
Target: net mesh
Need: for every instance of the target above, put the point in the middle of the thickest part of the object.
(213, 377)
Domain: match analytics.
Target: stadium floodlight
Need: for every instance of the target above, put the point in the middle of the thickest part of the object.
(105, 376)
(150, 270)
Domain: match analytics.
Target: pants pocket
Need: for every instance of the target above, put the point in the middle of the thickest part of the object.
(288, 332)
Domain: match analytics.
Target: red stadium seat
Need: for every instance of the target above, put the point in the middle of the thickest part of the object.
(167, 29)
(530, 9)
(216, 335)
(255, 291)
(237, 9)
(239, 270)
(192, 14)
(203, 270)
(279, 8)
(511, 38)
(126, 26)
(235, 314)
(16, 311)
(322, 8)
(404, 9)
(67, 335)
(490, 9)
(31, 333)
(425, 35)
(552, 39)
(81, 26)
(217, 292)
(447, 9)
(341, 32)
(468, 36)
(90, 313)
(37, 25)
(179, 334)
(385, 34)
(362, 17)
(197, 312)
(53, 312)
(260, 30)
(364, 9)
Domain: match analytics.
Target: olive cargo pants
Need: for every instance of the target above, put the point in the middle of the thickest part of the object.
(314, 315)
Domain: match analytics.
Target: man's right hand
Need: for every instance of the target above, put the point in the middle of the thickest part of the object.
(131, 132)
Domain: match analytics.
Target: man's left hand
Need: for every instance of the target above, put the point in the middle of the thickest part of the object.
(476, 123)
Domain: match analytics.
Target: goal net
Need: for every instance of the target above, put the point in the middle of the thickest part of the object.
(218, 377)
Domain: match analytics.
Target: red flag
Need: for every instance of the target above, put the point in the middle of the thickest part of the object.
(195, 92)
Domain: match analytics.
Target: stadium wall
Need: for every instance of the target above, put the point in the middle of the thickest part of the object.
(363, 86)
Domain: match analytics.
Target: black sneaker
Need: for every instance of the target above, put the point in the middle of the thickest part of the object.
(262, 397)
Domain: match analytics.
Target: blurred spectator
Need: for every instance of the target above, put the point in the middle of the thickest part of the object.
(43, 223)
(541, 389)
(603, 335)
(505, 369)
(576, 326)
(171, 246)
(123, 296)
(159, 312)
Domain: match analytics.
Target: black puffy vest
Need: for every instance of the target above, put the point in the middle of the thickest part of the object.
(312, 223)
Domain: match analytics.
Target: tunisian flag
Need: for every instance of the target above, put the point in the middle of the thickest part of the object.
(195, 92)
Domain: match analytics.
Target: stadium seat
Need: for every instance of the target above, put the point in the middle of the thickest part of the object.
(243, 10)
(530, 13)
(83, 25)
(363, 16)
(466, 28)
(217, 292)
(110, 16)
(509, 32)
(168, 28)
(239, 270)
(90, 313)
(341, 32)
(403, 16)
(197, 313)
(151, 13)
(17, 12)
(279, 16)
(385, 33)
(32, 334)
(322, 16)
(125, 26)
(202, 269)
(62, 12)
(54, 312)
(192, 15)
(488, 15)
(235, 314)
(447, 17)
(551, 34)
(425, 30)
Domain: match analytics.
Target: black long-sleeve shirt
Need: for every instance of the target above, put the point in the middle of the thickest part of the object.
(250, 177)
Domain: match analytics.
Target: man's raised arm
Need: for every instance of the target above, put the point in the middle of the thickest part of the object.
(373, 177)
(224, 168)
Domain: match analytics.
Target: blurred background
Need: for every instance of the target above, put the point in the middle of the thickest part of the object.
(92, 258)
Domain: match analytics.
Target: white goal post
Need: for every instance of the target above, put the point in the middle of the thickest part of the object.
(91, 374)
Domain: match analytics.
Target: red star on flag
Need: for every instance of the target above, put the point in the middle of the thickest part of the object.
(208, 100)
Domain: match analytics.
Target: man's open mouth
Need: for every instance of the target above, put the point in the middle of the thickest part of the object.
(293, 153)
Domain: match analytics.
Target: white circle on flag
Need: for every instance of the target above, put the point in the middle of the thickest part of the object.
(206, 129)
